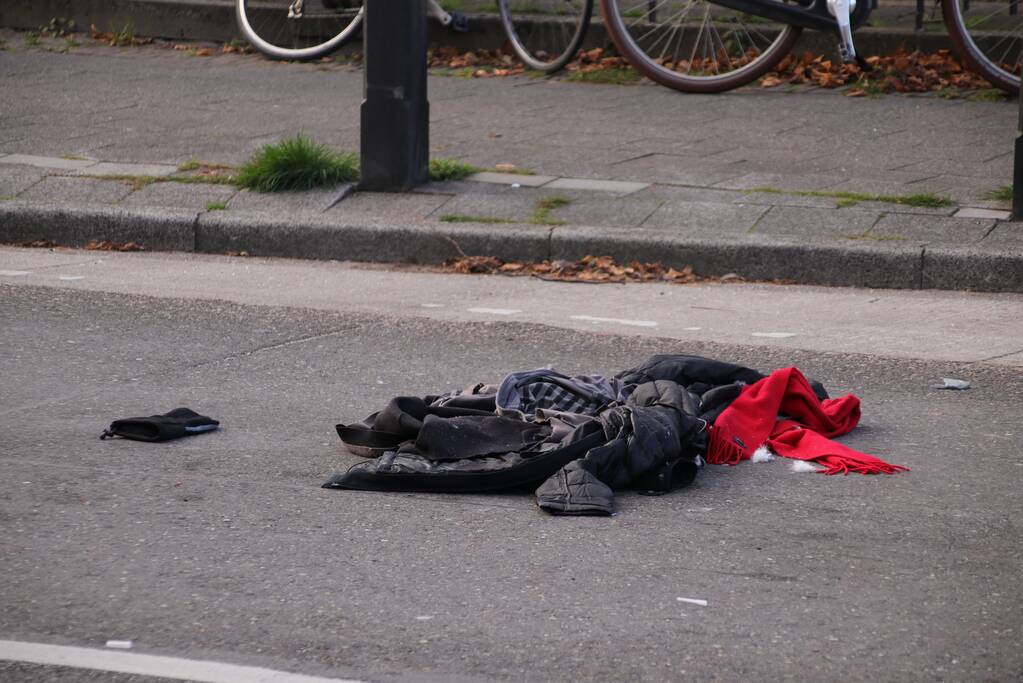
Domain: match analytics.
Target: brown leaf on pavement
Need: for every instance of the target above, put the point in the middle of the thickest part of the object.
(107, 245)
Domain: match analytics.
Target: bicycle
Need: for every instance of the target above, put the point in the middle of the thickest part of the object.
(706, 46)
(546, 34)
(302, 30)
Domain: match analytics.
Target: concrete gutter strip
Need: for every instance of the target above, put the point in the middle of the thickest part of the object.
(317, 237)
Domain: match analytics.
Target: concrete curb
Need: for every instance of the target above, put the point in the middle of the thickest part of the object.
(76, 226)
(318, 237)
(214, 20)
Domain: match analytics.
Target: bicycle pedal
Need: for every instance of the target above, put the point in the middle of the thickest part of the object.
(459, 22)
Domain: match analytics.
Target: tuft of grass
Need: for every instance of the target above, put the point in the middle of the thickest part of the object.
(6, 197)
(216, 206)
(74, 157)
(1001, 194)
(137, 182)
(615, 76)
(31, 38)
(989, 95)
(124, 36)
(510, 169)
(542, 213)
(58, 27)
(450, 169)
(297, 163)
(927, 200)
(467, 218)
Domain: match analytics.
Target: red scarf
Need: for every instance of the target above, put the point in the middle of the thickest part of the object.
(752, 420)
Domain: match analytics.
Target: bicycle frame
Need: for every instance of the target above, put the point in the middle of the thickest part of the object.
(816, 16)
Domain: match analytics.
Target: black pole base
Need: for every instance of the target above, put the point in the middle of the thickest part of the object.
(1017, 180)
(395, 111)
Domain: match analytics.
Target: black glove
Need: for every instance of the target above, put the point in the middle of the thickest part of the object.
(177, 423)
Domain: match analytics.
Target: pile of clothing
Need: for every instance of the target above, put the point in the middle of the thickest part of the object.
(576, 440)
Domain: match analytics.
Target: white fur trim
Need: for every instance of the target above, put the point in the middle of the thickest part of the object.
(804, 466)
(762, 454)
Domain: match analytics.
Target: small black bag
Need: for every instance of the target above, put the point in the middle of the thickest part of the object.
(175, 424)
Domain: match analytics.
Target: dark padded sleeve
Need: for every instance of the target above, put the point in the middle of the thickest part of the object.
(175, 424)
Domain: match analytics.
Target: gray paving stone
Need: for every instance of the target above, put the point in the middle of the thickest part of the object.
(667, 192)
(932, 229)
(611, 212)
(922, 211)
(388, 206)
(751, 181)
(15, 179)
(453, 187)
(518, 206)
(287, 203)
(590, 185)
(71, 190)
(970, 212)
(1007, 235)
(47, 162)
(193, 196)
(665, 168)
(816, 224)
(888, 186)
(781, 199)
(511, 179)
(116, 169)
(704, 218)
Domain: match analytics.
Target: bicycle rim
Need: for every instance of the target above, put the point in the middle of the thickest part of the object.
(300, 30)
(988, 35)
(546, 34)
(695, 45)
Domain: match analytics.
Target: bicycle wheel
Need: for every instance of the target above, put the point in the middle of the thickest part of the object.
(298, 29)
(988, 35)
(695, 45)
(546, 34)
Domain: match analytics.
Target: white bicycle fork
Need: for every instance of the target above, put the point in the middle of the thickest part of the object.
(841, 9)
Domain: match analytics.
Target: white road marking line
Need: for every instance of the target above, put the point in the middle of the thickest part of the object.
(694, 329)
(619, 321)
(14, 273)
(774, 335)
(71, 278)
(495, 311)
(150, 665)
(432, 305)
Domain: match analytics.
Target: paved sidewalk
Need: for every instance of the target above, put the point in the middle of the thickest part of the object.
(743, 182)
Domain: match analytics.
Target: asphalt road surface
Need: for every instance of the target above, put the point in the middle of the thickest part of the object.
(223, 548)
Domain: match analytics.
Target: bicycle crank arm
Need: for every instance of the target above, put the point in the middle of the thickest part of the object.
(434, 10)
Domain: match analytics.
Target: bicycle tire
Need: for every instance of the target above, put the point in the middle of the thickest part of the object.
(990, 41)
(638, 37)
(546, 34)
(273, 29)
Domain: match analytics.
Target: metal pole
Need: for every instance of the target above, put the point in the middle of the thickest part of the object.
(395, 111)
(1017, 169)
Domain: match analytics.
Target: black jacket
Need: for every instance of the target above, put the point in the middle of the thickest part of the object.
(653, 438)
